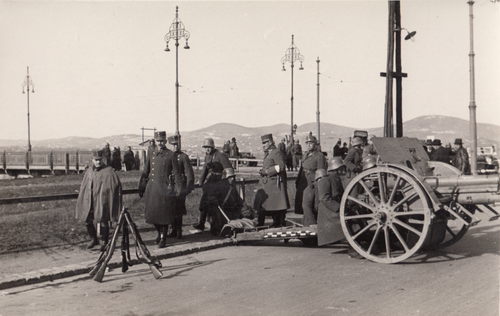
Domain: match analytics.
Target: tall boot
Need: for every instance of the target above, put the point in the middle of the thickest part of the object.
(93, 234)
(163, 241)
(203, 219)
(178, 226)
(173, 231)
(158, 237)
(104, 237)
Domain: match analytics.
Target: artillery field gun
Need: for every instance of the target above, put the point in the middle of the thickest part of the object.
(402, 204)
(405, 203)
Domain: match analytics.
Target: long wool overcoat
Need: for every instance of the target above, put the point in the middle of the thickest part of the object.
(329, 190)
(312, 161)
(273, 195)
(161, 171)
(101, 191)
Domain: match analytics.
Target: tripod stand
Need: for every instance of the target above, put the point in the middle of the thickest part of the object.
(125, 223)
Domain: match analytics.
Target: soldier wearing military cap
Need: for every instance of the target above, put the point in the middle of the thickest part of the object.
(214, 163)
(99, 198)
(461, 157)
(128, 159)
(312, 161)
(272, 196)
(184, 186)
(161, 173)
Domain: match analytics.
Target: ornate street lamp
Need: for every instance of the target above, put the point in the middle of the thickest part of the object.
(176, 32)
(292, 54)
(28, 84)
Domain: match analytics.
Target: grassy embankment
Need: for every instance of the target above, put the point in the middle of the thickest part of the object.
(35, 225)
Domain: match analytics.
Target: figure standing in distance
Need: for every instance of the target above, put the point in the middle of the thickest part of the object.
(441, 153)
(128, 159)
(461, 157)
(185, 186)
(312, 161)
(337, 150)
(157, 185)
(297, 150)
(209, 173)
(107, 155)
(99, 199)
(282, 146)
(137, 161)
(369, 149)
(272, 196)
(345, 150)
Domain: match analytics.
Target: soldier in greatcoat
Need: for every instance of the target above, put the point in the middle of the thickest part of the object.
(313, 160)
(214, 163)
(329, 191)
(272, 196)
(185, 186)
(161, 172)
(99, 199)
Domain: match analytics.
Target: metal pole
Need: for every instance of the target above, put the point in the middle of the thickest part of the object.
(472, 104)
(28, 85)
(177, 79)
(291, 99)
(317, 108)
(388, 128)
(399, 78)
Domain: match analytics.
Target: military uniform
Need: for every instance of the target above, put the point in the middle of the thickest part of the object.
(353, 159)
(161, 171)
(329, 191)
(99, 198)
(312, 161)
(272, 196)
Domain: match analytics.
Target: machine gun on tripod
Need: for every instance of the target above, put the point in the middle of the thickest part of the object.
(125, 224)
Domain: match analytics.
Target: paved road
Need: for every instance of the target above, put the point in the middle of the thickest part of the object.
(271, 278)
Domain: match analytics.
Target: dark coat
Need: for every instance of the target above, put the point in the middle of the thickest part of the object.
(161, 171)
(442, 154)
(100, 191)
(272, 194)
(354, 159)
(461, 160)
(215, 156)
(186, 184)
(312, 161)
(329, 190)
(337, 151)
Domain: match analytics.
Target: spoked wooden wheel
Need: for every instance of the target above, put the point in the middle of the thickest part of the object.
(385, 214)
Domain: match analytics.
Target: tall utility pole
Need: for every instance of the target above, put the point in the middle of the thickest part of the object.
(472, 104)
(292, 54)
(317, 108)
(28, 84)
(176, 32)
(394, 31)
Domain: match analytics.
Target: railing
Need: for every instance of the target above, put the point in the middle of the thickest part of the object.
(69, 196)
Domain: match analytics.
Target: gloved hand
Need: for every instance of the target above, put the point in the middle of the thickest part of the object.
(262, 173)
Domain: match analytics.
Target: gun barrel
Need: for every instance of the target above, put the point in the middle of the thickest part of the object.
(482, 189)
(460, 181)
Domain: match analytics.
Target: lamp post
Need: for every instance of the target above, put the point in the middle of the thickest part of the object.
(472, 103)
(292, 54)
(317, 108)
(176, 32)
(28, 84)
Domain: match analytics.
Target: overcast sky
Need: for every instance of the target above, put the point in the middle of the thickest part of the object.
(100, 69)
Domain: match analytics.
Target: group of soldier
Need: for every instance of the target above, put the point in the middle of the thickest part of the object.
(113, 158)
(168, 178)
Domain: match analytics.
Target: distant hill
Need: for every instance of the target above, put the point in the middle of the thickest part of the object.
(248, 138)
